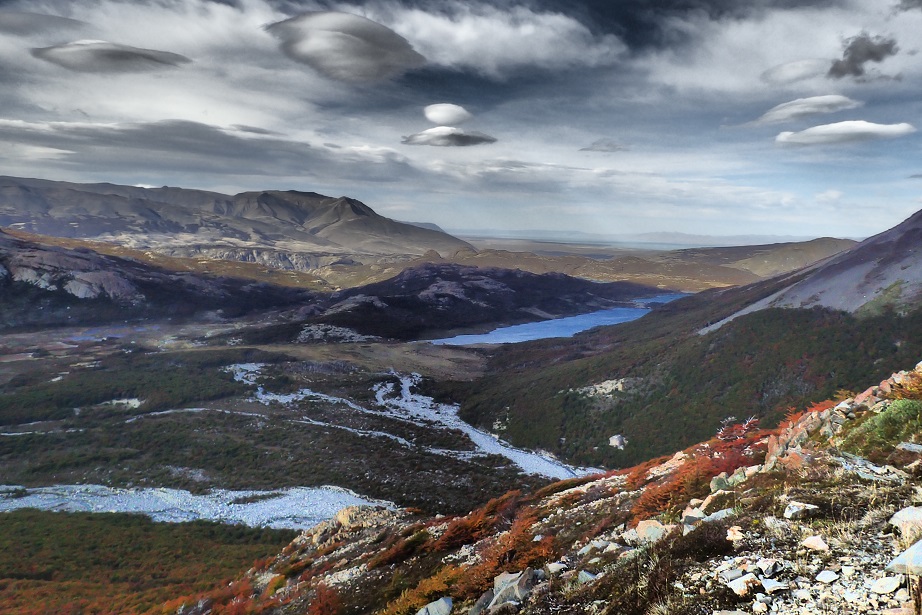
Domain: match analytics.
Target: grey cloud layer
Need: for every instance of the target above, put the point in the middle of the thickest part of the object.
(23, 23)
(345, 46)
(798, 70)
(859, 50)
(192, 147)
(105, 57)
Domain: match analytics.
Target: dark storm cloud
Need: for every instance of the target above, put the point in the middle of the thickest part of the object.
(105, 57)
(21, 23)
(346, 47)
(638, 23)
(190, 147)
(908, 5)
(859, 50)
(605, 145)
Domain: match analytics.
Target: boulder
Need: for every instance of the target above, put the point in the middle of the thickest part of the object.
(909, 522)
(442, 606)
(650, 530)
(799, 510)
(555, 568)
(909, 561)
(586, 577)
(512, 587)
(720, 483)
(827, 577)
(482, 603)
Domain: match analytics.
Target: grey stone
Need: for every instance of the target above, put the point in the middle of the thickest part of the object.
(743, 585)
(442, 606)
(630, 537)
(909, 447)
(770, 567)
(650, 530)
(771, 586)
(909, 522)
(720, 515)
(730, 575)
(720, 482)
(827, 577)
(512, 587)
(737, 477)
(886, 585)
(586, 577)
(505, 578)
(799, 510)
(909, 561)
(555, 568)
(482, 603)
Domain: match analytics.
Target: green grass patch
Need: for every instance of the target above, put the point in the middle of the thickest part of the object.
(877, 435)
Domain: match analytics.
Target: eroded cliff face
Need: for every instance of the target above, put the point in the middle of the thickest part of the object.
(803, 519)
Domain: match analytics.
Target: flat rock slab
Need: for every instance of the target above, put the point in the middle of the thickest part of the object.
(886, 585)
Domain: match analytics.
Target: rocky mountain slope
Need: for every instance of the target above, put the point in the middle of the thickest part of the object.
(819, 515)
(252, 226)
(88, 285)
(46, 284)
(882, 272)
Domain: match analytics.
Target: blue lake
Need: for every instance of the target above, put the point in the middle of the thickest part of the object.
(560, 327)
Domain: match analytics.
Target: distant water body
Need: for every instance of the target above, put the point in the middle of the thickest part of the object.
(560, 327)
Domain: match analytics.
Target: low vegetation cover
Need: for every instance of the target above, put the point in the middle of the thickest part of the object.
(75, 563)
(787, 506)
(682, 385)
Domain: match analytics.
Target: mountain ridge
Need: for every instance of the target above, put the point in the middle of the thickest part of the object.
(146, 217)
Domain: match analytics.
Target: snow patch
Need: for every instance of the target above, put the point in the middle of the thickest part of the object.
(295, 508)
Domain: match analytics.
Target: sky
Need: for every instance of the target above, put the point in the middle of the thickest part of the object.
(717, 117)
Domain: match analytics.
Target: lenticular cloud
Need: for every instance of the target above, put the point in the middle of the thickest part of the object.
(105, 57)
(346, 47)
(447, 114)
(844, 132)
(448, 136)
(804, 107)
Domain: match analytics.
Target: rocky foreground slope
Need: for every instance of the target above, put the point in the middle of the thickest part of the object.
(815, 517)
